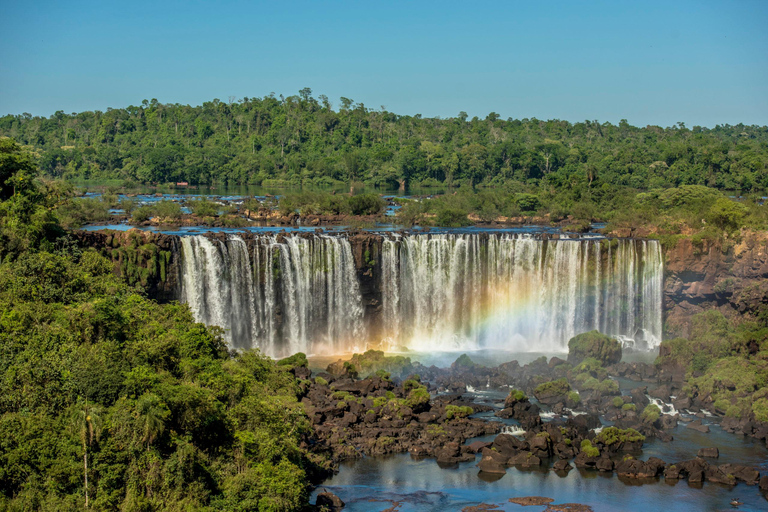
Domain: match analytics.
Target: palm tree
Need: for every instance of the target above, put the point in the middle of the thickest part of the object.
(86, 423)
(153, 414)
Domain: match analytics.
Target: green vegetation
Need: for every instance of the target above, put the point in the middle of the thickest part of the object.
(552, 388)
(651, 413)
(457, 411)
(604, 349)
(518, 395)
(588, 449)
(301, 140)
(726, 363)
(372, 362)
(613, 435)
(99, 383)
(463, 361)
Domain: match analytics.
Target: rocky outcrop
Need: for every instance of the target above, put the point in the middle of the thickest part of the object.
(729, 274)
(149, 260)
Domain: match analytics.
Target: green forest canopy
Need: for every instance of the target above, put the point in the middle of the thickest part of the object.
(302, 141)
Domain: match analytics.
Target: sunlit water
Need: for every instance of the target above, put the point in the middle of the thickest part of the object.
(375, 483)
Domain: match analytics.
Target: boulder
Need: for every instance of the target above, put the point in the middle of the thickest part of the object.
(330, 501)
(490, 465)
(763, 485)
(604, 464)
(562, 465)
(525, 460)
(605, 349)
(711, 453)
(697, 425)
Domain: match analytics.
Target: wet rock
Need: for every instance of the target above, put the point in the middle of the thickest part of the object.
(711, 453)
(562, 465)
(525, 460)
(508, 445)
(604, 464)
(746, 474)
(491, 465)
(477, 446)
(697, 425)
(330, 501)
(528, 501)
(763, 486)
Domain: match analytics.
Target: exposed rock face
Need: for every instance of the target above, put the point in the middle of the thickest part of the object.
(151, 260)
(732, 277)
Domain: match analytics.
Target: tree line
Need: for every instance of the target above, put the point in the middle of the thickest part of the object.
(301, 140)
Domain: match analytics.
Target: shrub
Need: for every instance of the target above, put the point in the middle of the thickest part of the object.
(457, 411)
(592, 344)
(613, 435)
(321, 381)
(555, 387)
(517, 395)
(628, 407)
(297, 359)
(651, 413)
(618, 402)
(589, 450)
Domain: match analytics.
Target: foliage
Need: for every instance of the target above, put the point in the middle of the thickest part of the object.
(91, 371)
(613, 435)
(457, 411)
(555, 387)
(588, 449)
(373, 361)
(651, 413)
(517, 394)
(592, 344)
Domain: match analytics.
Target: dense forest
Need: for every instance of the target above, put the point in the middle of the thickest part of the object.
(302, 141)
(111, 401)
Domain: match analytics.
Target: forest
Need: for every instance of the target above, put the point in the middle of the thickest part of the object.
(111, 401)
(301, 140)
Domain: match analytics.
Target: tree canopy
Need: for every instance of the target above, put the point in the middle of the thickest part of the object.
(301, 140)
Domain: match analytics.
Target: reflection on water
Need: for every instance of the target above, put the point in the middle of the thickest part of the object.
(420, 485)
(376, 483)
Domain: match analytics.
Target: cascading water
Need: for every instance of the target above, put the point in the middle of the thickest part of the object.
(293, 295)
(464, 291)
(284, 294)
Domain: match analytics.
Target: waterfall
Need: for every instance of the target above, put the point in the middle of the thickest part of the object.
(519, 293)
(293, 294)
(427, 292)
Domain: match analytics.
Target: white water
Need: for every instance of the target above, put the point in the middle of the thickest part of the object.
(461, 292)
(447, 292)
(309, 284)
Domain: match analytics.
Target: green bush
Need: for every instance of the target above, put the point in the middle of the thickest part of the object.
(457, 411)
(651, 413)
(612, 435)
(592, 344)
(589, 450)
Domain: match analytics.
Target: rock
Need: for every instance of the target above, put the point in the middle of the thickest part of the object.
(697, 476)
(604, 464)
(508, 445)
(711, 453)
(562, 465)
(490, 465)
(528, 501)
(605, 349)
(525, 460)
(749, 476)
(763, 486)
(697, 425)
(330, 501)
(661, 392)
(477, 446)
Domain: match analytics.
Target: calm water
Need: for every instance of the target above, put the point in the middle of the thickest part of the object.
(375, 483)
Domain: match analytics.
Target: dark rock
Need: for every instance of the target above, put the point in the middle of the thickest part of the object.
(711, 453)
(562, 465)
(525, 460)
(697, 425)
(330, 501)
(763, 486)
(491, 465)
(478, 446)
(696, 476)
(604, 464)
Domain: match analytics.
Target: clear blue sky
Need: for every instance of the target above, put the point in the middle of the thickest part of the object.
(651, 62)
